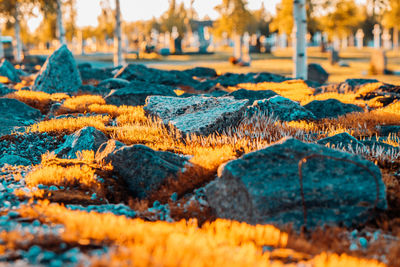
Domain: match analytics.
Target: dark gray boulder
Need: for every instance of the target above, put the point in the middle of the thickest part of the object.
(144, 169)
(87, 138)
(252, 95)
(4, 90)
(88, 74)
(349, 85)
(342, 141)
(376, 145)
(196, 114)
(232, 79)
(331, 108)
(201, 72)
(264, 187)
(317, 73)
(113, 83)
(385, 130)
(139, 72)
(136, 92)
(14, 113)
(281, 108)
(59, 73)
(7, 70)
(14, 160)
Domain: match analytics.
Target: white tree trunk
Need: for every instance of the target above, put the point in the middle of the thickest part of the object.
(17, 29)
(118, 60)
(60, 26)
(1, 46)
(300, 43)
(237, 49)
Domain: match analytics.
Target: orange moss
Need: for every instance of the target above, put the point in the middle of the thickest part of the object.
(80, 104)
(38, 100)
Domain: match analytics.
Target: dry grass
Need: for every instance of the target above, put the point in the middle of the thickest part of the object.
(38, 100)
(138, 243)
(80, 104)
(70, 125)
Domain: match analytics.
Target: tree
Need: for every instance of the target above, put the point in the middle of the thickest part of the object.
(390, 20)
(234, 19)
(60, 26)
(118, 60)
(175, 16)
(300, 42)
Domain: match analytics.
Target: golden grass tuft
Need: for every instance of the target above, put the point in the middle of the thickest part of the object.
(70, 125)
(80, 104)
(38, 100)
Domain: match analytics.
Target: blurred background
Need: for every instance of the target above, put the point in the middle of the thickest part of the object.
(228, 35)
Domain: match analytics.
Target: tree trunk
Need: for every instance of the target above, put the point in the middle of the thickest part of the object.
(1, 46)
(60, 26)
(118, 60)
(396, 38)
(237, 49)
(300, 43)
(17, 29)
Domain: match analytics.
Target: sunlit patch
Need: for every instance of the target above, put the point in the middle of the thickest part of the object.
(179, 92)
(4, 79)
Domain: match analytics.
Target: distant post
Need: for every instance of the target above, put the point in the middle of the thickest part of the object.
(1, 46)
(386, 39)
(300, 44)
(118, 59)
(377, 36)
(246, 56)
(237, 50)
(360, 38)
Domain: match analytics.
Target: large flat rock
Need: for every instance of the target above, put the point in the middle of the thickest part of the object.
(264, 186)
(197, 114)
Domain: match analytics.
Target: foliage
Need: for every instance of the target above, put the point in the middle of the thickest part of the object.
(234, 17)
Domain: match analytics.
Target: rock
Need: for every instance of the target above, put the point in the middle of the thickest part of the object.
(342, 141)
(232, 79)
(144, 169)
(350, 85)
(113, 83)
(4, 90)
(139, 72)
(88, 74)
(216, 93)
(317, 73)
(385, 94)
(263, 187)
(201, 72)
(196, 114)
(14, 113)
(88, 138)
(13, 160)
(136, 92)
(206, 85)
(93, 90)
(59, 73)
(107, 148)
(385, 130)
(281, 108)
(378, 63)
(333, 57)
(331, 108)
(252, 95)
(85, 65)
(7, 70)
(376, 144)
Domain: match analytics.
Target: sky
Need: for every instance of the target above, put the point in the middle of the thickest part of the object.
(133, 10)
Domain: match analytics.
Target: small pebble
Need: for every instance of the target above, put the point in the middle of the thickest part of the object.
(363, 242)
(353, 247)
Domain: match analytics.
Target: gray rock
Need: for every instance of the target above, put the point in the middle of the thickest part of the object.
(7, 70)
(88, 74)
(317, 73)
(342, 140)
(59, 73)
(376, 144)
(136, 92)
(196, 114)
(350, 85)
(88, 138)
(385, 130)
(201, 72)
(4, 90)
(113, 83)
(14, 113)
(281, 108)
(144, 169)
(14, 160)
(263, 187)
(252, 95)
(232, 79)
(331, 108)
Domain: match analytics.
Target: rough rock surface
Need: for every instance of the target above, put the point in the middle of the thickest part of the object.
(196, 114)
(87, 138)
(136, 92)
(252, 95)
(7, 70)
(317, 73)
(331, 108)
(14, 113)
(263, 187)
(107, 148)
(4, 90)
(201, 72)
(342, 141)
(281, 108)
(95, 74)
(13, 160)
(59, 73)
(144, 169)
(385, 130)
(232, 79)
